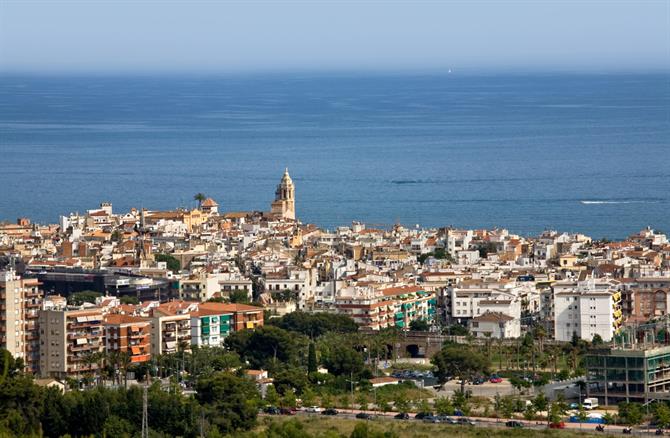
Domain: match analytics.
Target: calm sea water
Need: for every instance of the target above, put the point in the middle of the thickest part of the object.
(588, 153)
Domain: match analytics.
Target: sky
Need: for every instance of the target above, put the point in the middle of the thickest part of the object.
(234, 36)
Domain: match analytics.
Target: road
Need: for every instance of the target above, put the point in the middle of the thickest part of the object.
(487, 422)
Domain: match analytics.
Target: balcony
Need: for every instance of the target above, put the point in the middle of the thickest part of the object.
(140, 358)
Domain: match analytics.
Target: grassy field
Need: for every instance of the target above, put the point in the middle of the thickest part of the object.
(340, 427)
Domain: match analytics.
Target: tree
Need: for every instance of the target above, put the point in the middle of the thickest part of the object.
(400, 402)
(630, 413)
(312, 365)
(230, 400)
(173, 264)
(457, 330)
(316, 325)
(79, 298)
(582, 416)
(117, 427)
(597, 340)
(455, 360)
(362, 401)
(540, 402)
(200, 197)
(129, 299)
(341, 359)
(529, 412)
(443, 406)
(539, 333)
(555, 413)
(239, 296)
(271, 396)
(419, 325)
(662, 415)
(265, 347)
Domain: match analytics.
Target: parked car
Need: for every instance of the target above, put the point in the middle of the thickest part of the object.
(557, 425)
(448, 420)
(272, 410)
(422, 415)
(329, 411)
(431, 419)
(402, 416)
(363, 416)
(313, 409)
(465, 421)
(514, 423)
(495, 379)
(574, 406)
(287, 411)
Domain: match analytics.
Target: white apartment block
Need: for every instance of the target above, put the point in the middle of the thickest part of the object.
(586, 308)
(466, 303)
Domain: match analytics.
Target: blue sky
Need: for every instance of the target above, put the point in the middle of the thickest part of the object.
(232, 36)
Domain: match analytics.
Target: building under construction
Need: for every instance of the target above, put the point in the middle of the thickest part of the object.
(636, 367)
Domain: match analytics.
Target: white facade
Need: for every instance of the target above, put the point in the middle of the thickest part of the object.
(586, 308)
(470, 302)
(495, 326)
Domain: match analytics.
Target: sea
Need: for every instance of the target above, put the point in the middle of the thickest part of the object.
(585, 153)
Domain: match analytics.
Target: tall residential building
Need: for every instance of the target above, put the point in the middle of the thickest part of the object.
(171, 333)
(243, 316)
(128, 334)
(210, 327)
(284, 203)
(20, 300)
(587, 308)
(390, 307)
(68, 340)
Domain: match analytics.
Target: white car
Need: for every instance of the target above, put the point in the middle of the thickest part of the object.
(313, 409)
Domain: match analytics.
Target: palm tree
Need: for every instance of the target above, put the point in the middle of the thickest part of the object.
(125, 361)
(199, 197)
(540, 334)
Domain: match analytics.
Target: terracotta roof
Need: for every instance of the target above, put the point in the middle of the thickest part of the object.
(401, 290)
(493, 317)
(124, 319)
(209, 202)
(230, 307)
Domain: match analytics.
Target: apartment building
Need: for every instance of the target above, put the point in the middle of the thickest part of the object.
(390, 307)
(243, 316)
(587, 308)
(495, 325)
(467, 303)
(199, 287)
(128, 334)
(20, 300)
(170, 333)
(68, 338)
(210, 327)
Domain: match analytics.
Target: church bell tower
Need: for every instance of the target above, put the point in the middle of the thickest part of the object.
(284, 203)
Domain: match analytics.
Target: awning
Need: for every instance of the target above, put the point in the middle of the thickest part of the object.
(82, 341)
(170, 344)
(136, 350)
(82, 319)
(250, 324)
(134, 328)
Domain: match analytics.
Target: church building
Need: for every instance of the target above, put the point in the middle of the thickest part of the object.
(284, 204)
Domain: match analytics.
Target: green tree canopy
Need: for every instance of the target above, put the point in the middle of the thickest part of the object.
(172, 263)
(231, 401)
(266, 347)
(419, 325)
(457, 360)
(79, 298)
(315, 325)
